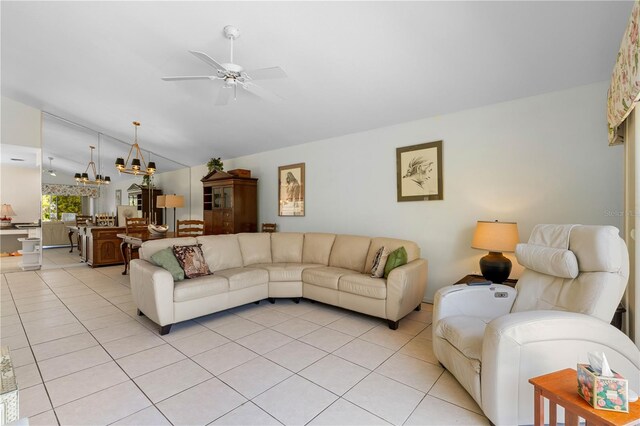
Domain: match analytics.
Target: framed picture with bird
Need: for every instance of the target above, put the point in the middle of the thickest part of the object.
(419, 172)
(291, 190)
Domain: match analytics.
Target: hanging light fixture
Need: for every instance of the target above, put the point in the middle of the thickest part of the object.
(98, 179)
(137, 162)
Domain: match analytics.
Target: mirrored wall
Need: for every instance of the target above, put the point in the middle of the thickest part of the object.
(66, 151)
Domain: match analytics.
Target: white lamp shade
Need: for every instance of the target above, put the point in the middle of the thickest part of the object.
(7, 210)
(161, 201)
(495, 236)
(174, 201)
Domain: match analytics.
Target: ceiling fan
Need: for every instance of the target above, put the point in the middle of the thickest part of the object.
(51, 171)
(234, 75)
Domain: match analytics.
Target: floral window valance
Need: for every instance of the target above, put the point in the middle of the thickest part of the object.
(624, 89)
(81, 190)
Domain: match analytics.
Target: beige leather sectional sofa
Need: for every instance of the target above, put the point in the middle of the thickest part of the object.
(328, 268)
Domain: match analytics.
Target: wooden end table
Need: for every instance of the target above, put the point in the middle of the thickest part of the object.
(561, 388)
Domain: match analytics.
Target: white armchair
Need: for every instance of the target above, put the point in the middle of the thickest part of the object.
(494, 338)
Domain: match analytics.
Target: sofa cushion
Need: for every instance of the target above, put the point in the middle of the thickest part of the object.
(597, 248)
(317, 248)
(548, 260)
(240, 278)
(191, 260)
(379, 262)
(396, 258)
(413, 251)
(463, 333)
(200, 287)
(363, 285)
(286, 247)
(149, 248)
(350, 252)
(167, 260)
(324, 276)
(285, 272)
(255, 247)
(221, 251)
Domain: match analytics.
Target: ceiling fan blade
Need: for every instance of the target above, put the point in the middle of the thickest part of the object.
(190, 77)
(261, 92)
(223, 96)
(208, 59)
(266, 73)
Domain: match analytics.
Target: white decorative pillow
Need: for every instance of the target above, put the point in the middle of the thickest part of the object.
(379, 261)
(547, 260)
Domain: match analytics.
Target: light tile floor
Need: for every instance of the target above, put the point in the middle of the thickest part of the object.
(83, 356)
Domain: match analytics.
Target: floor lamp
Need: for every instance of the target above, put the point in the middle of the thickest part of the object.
(160, 203)
(175, 201)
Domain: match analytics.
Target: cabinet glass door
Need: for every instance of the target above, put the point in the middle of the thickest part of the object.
(228, 197)
(217, 198)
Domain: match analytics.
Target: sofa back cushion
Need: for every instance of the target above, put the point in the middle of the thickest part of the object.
(255, 247)
(286, 247)
(149, 248)
(350, 252)
(413, 251)
(221, 251)
(317, 247)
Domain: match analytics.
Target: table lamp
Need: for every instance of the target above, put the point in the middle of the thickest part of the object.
(495, 237)
(6, 211)
(174, 201)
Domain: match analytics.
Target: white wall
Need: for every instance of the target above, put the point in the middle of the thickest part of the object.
(542, 159)
(20, 187)
(20, 183)
(21, 124)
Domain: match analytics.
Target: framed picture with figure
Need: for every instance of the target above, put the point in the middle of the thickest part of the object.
(118, 197)
(291, 190)
(419, 172)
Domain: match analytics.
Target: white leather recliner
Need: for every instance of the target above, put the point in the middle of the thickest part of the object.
(493, 339)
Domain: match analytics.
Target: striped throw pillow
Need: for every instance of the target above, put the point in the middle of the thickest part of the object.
(379, 261)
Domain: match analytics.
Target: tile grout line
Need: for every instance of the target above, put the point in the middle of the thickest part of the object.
(99, 344)
(32, 353)
(300, 316)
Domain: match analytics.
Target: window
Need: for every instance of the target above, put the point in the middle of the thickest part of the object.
(54, 205)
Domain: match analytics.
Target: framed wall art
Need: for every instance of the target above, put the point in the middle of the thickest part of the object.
(118, 197)
(419, 172)
(291, 190)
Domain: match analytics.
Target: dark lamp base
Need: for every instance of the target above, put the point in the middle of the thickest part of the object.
(495, 267)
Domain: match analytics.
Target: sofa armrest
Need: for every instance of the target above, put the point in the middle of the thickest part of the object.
(152, 291)
(472, 301)
(405, 288)
(522, 345)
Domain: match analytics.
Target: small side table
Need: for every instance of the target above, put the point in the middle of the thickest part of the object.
(561, 388)
(472, 277)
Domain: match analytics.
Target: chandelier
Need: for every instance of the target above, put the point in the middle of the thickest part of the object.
(137, 161)
(83, 178)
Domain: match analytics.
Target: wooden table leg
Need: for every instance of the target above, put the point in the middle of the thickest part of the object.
(124, 250)
(71, 241)
(538, 408)
(553, 414)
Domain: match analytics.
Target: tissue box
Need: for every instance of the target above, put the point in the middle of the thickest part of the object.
(603, 393)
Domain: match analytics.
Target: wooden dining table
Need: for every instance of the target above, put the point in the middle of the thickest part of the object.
(133, 240)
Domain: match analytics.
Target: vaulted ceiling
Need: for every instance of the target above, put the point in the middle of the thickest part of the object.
(352, 66)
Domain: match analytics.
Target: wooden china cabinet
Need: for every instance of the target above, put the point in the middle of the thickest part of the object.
(230, 203)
